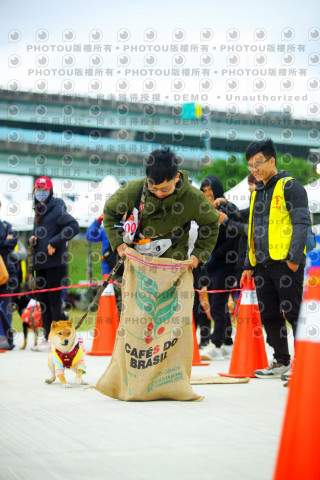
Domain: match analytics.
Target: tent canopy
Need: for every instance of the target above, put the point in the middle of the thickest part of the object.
(239, 195)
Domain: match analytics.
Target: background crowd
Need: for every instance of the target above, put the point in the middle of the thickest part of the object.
(233, 258)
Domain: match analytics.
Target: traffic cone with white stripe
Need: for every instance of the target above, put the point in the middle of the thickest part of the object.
(249, 351)
(298, 455)
(107, 323)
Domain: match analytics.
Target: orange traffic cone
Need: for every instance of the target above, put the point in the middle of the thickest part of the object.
(107, 323)
(298, 455)
(249, 351)
(196, 360)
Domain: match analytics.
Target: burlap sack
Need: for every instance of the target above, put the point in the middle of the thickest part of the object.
(152, 357)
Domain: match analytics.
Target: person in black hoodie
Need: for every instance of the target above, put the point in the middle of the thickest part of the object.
(238, 227)
(53, 228)
(221, 269)
(279, 220)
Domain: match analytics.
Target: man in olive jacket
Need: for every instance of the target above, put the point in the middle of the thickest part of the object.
(170, 205)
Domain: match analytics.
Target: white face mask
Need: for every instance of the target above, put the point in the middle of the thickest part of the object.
(41, 195)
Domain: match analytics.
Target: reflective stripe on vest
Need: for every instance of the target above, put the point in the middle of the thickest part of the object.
(252, 257)
(23, 267)
(279, 226)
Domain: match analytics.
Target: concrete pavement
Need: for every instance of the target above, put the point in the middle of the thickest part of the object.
(50, 432)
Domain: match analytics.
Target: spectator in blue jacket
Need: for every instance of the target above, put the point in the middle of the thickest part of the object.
(53, 228)
(97, 234)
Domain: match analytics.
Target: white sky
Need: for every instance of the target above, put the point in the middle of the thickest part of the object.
(292, 29)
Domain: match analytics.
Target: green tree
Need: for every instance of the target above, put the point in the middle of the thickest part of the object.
(234, 169)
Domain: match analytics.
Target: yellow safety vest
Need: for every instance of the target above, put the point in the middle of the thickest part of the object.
(280, 226)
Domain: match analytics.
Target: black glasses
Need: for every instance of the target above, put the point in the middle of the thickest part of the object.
(258, 165)
(153, 189)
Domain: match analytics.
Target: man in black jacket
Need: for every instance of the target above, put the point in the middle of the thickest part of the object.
(279, 220)
(53, 228)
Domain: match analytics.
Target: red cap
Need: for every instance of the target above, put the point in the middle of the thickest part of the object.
(44, 182)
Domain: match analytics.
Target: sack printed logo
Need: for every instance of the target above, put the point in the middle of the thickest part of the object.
(159, 306)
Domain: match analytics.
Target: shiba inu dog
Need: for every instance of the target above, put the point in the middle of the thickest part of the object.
(66, 352)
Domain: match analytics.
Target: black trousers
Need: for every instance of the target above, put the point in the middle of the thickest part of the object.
(51, 302)
(201, 320)
(6, 309)
(200, 280)
(222, 279)
(279, 292)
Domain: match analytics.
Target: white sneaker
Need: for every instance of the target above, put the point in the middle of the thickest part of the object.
(227, 350)
(45, 346)
(211, 352)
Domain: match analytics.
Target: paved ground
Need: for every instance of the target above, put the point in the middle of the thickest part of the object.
(54, 433)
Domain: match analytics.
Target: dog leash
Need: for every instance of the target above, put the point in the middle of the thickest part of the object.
(101, 289)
